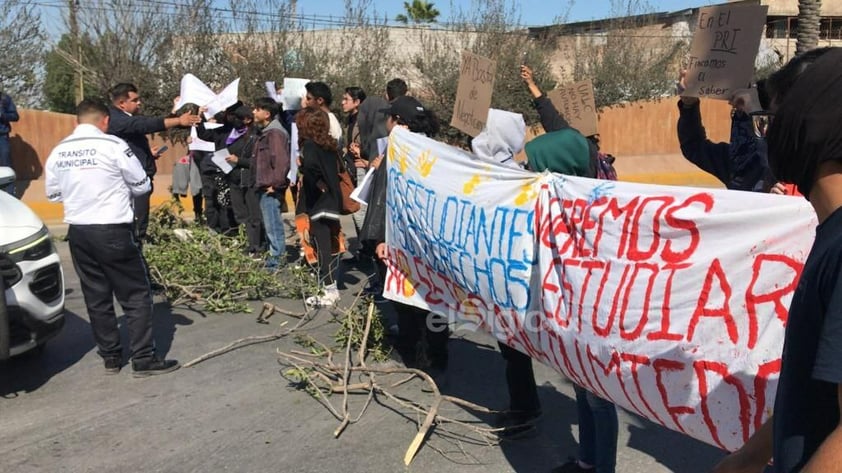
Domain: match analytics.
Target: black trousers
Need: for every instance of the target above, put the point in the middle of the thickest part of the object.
(141, 214)
(109, 264)
(420, 330)
(217, 215)
(321, 234)
(520, 379)
(246, 205)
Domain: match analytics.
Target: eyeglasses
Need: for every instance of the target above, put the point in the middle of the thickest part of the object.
(761, 120)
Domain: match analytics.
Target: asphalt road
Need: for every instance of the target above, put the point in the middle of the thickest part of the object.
(60, 413)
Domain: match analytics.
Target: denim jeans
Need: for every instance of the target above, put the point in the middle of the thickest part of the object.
(598, 429)
(270, 207)
(6, 160)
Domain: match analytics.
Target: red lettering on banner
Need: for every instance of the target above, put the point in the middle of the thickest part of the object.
(635, 361)
(591, 358)
(775, 296)
(660, 366)
(616, 211)
(664, 333)
(606, 330)
(715, 271)
(761, 380)
(615, 365)
(668, 254)
(590, 265)
(644, 316)
(635, 254)
(701, 367)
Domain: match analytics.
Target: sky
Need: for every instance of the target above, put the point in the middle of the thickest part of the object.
(533, 12)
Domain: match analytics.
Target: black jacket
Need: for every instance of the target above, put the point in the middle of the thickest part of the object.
(740, 165)
(244, 173)
(133, 130)
(320, 195)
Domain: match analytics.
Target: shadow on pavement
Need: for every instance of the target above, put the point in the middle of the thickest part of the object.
(32, 370)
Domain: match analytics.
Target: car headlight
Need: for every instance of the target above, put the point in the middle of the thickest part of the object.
(38, 246)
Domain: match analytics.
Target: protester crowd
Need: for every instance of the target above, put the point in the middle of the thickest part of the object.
(787, 143)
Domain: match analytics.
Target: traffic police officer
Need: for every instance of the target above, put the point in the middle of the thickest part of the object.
(96, 176)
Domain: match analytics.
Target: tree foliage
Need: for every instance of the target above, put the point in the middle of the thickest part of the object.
(22, 37)
(625, 61)
(418, 12)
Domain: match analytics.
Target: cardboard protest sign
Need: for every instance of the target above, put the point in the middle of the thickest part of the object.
(725, 43)
(575, 102)
(473, 94)
(641, 294)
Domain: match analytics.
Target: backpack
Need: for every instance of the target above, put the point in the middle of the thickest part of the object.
(605, 167)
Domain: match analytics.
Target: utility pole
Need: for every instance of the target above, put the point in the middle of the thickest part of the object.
(77, 45)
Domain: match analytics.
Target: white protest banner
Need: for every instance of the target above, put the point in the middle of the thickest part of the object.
(576, 103)
(293, 92)
(669, 301)
(473, 94)
(725, 42)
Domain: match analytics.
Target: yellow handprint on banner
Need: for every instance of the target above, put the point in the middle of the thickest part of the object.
(527, 193)
(426, 162)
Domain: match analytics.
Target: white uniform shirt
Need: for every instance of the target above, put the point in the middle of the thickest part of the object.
(95, 175)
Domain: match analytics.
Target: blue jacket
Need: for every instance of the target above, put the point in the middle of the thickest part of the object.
(8, 113)
(741, 164)
(133, 130)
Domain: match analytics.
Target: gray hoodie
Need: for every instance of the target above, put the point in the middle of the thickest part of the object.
(502, 138)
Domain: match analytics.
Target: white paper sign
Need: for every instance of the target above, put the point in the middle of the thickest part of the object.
(224, 99)
(219, 159)
(292, 175)
(293, 92)
(272, 91)
(360, 194)
(197, 144)
(382, 144)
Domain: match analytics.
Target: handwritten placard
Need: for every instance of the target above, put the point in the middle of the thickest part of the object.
(725, 44)
(473, 95)
(576, 104)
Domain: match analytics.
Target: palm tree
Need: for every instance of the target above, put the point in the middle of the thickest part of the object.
(809, 17)
(419, 11)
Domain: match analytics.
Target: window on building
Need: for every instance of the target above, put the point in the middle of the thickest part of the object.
(776, 27)
(830, 28)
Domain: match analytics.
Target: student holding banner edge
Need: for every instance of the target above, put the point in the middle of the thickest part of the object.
(564, 150)
(416, 327)
(804, 433)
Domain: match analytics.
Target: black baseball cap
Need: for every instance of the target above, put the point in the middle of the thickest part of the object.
(405, 107)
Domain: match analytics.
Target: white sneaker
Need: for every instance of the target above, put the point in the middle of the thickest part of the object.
(328, 299)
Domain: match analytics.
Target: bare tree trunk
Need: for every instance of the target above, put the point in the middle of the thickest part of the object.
(809, 17)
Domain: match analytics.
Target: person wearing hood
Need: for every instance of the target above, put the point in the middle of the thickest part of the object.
(502, 138)
(271, 163)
